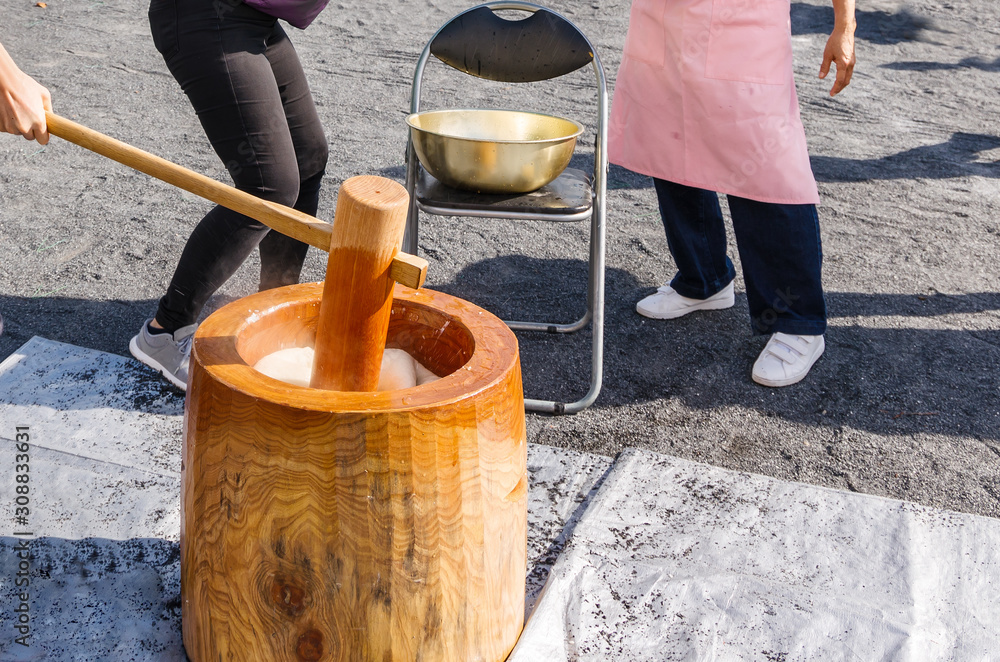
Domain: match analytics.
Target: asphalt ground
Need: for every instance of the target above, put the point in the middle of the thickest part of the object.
(906, 401)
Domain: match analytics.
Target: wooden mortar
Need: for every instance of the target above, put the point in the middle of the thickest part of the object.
(338, 525)
(353, 526)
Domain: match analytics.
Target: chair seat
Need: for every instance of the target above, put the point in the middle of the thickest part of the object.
(568, 198)
(484, 42)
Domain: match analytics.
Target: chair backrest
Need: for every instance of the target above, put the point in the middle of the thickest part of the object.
(542, 46)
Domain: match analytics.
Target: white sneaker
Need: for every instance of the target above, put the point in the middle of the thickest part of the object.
(786, 359)
(667, 304)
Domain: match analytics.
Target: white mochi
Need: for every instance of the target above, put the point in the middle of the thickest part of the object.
(293, 365)
(398, 370)
(424, 376)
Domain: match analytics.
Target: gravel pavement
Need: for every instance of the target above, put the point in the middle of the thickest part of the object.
(906, 401)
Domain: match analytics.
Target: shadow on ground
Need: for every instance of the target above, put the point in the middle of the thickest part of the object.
(892, 379)
(876, 26)
(955, 158)
(103, 325)
(106, 326)
(965, 63)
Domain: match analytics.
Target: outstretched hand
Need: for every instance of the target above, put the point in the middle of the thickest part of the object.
(22, 109)
(23, 102)
(840, 52)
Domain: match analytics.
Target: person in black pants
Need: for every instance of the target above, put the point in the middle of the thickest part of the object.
(244, 79)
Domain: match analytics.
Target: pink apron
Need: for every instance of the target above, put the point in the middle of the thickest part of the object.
(705, 97)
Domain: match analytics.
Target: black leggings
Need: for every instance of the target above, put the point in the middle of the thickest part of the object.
(241, 74)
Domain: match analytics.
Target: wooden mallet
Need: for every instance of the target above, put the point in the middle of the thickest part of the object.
(363, 244)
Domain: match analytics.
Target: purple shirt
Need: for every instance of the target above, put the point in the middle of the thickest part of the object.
(299, 13)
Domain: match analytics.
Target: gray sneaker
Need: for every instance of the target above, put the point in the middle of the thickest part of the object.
(169, 354)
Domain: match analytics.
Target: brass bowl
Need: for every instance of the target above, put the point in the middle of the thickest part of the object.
(493, 151)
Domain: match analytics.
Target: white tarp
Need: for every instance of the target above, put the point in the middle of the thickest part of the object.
(669, 560)
(105, 506)
(675, 560)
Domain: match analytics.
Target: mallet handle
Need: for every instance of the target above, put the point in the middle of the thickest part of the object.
(284, 219)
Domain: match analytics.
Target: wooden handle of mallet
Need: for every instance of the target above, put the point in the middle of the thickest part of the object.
(357, 294)
(408, 270)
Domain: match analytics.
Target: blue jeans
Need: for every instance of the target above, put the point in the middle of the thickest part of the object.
(779, 247)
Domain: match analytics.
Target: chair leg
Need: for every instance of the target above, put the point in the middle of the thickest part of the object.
(595, 310)
(410, 242)
(552, 328)
(594, 314)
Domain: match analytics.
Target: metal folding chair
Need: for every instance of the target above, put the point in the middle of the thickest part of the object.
(543, 46)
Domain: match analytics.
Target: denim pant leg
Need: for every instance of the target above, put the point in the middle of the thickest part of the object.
(782, 257)
(696, 236)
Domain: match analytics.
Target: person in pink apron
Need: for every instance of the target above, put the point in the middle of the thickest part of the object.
(705, 103)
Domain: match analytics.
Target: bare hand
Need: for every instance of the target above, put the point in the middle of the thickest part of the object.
(23, 103)
(839, 51)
